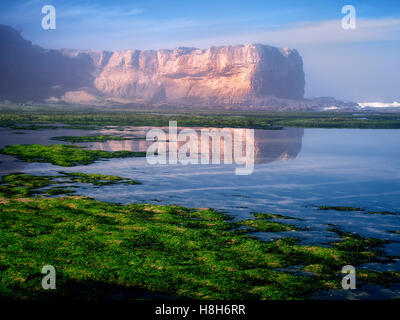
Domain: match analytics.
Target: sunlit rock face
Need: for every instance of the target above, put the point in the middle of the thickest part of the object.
(218, 75)
(227, 75)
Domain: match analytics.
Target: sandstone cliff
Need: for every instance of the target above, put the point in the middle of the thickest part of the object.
(226, 75)
(218, 75)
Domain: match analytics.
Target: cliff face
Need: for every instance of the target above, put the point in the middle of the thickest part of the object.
(228, 75)
(218, 75)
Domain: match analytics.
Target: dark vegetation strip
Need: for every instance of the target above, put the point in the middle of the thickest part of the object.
(97, 179)
(263, 215)
(268, 226)
(64, 155)
(341, 208)
(23, 185)
(32, 127)
(80, 117)
(99, 138)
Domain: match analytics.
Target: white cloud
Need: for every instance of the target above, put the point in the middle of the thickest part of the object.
(310, 33)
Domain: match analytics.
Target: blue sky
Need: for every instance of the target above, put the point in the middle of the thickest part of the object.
(359, 65)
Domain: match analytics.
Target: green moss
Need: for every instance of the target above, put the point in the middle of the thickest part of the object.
(99, 138)
(267, 226)
(63, 155)
(318, 269)
(165, 249)
(32, 127)
(263, 225)
(385, 278)
(326, 262)
(58, 191)
(99, 247)
(23, 185)
(97, 179)
(262, 215)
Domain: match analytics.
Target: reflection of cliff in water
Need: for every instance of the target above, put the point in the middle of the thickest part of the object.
(269, 145)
